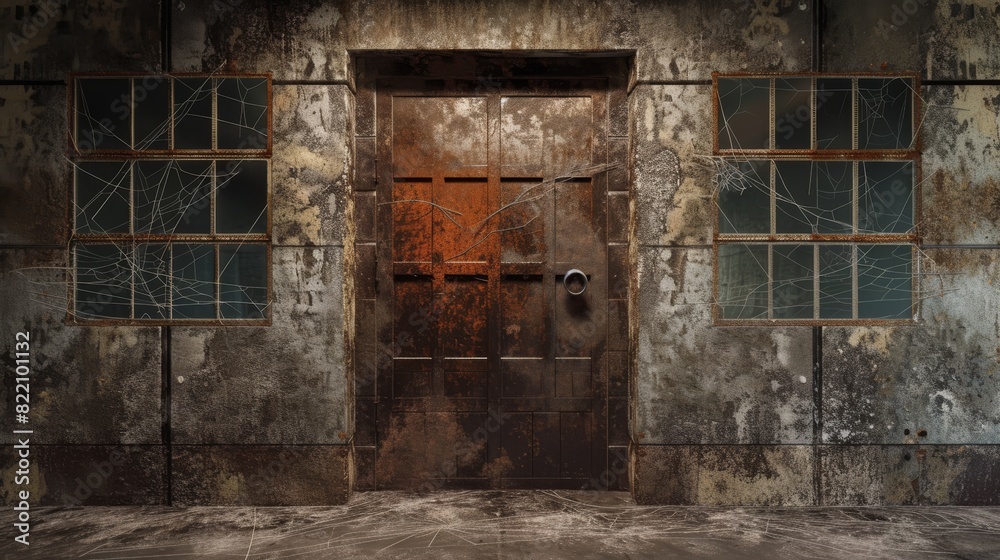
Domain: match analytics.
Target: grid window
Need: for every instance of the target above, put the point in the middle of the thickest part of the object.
(785, 114)
(817, 199)
(175, 115)
(171, 196)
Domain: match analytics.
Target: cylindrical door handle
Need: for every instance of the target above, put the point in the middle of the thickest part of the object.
(575, 281)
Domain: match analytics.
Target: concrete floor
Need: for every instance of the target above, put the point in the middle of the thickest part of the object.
(519, 524)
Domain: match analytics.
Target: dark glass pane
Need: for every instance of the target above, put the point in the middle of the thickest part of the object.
(173, 196)
(103, 114)
(885, 196)
(745, 196)
(885, 113)
(834, 118)
(151, 96)
(795, 194)
(792, 113)
(103, 281)
(243, 280)
(193, 291)
(242, 113)
(241, 196)
(152, 272)
(814, 197)
(102, 197)
(742, 281)
(835, 282)
(793, 282)
(193, 113)
(834, 196)
(885, 282)
(744, 113)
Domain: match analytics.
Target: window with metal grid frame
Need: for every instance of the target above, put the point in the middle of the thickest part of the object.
(171, 199)
(817, 197)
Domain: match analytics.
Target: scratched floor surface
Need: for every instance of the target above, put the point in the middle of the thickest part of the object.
(495, 525)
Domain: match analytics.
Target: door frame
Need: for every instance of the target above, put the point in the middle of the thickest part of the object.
(485, 70)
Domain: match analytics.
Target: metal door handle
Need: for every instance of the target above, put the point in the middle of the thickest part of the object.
(575, 281)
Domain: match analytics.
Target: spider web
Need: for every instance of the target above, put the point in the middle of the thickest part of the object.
(121, 273)
(758, 196)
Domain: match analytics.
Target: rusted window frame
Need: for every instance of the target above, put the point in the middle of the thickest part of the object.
(130, 240)
(813, 154)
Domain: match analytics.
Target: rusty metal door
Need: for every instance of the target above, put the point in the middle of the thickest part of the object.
(495, 372)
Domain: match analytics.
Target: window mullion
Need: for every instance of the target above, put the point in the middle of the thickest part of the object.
(131, 128)
(173, 110)
(816, 271)
(854, 280)
(915, 292)
(213, 169)
(134, 253)
(813, 141)
(217, 285)
(770, 281)
(131, 197)
(855, 197)
(215, 113)
(169, 283)
(854, 113)
(772, 172)
(772, 144)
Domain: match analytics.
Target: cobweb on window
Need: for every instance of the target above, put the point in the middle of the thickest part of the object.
(119, 272)
(851, 279)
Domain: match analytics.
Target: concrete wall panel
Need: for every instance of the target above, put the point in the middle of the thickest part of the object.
(961, 165)
(283, 384)
(941, 39)
(268, 475)
(35, 175)
(673, 172)
(934, 382)
(89, 385)
(45, 40)
(712, 385)
(311, 164)
(91, 475)
(678, 40)
(725, 475)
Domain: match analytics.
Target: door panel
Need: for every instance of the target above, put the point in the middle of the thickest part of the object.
(525, 220)
(438, 135)
(457, 234)
(493, 197)
(524, 327)
(412, 222)
(544, 136)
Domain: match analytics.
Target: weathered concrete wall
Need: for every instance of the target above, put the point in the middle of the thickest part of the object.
(721, 415)
(242, 395)
(96, 391)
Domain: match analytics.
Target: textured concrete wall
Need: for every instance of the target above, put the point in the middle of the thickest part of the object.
(721, 415)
